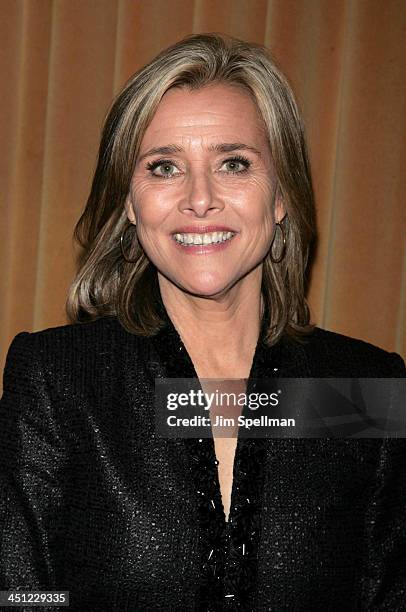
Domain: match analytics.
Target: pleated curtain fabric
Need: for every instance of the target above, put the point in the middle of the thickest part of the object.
(62, 62)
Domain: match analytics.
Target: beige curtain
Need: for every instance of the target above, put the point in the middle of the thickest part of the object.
(61, 63)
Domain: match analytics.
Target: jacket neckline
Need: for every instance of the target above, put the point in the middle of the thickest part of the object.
(228, 549)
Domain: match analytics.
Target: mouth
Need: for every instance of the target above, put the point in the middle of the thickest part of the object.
(195, 239)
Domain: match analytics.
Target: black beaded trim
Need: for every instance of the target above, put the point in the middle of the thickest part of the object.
(212, 523)
(244, 528)
(229, 550)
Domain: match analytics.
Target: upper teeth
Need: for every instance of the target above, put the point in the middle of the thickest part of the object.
(208, 238)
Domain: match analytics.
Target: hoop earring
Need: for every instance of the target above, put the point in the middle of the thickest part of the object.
(282, 253)
(122, 245)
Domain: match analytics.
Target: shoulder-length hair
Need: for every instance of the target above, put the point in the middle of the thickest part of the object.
(106, 283)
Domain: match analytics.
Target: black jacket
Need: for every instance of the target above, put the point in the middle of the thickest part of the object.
(93, 502)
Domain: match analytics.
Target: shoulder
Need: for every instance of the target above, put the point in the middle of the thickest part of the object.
(79, 331)
(63, 337)
(72, 348)
(330, 353)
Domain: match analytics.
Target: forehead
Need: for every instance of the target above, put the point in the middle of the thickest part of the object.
(214, 109)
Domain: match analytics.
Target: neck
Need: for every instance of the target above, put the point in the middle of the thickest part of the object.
(220, 334)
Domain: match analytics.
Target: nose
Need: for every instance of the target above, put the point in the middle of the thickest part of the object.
(200, 196)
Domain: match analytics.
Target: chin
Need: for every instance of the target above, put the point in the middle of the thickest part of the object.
(204, 286)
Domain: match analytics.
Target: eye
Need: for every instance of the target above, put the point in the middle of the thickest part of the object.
(162, 168)
(236, 165)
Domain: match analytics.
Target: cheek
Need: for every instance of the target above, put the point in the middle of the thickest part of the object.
(254, 205)
(151, 206)
(263, 210)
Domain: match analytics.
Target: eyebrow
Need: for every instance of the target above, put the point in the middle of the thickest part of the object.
(223, 147)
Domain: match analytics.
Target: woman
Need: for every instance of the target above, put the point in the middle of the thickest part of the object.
(196, 237)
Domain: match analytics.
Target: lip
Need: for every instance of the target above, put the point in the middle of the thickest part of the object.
(202, 229)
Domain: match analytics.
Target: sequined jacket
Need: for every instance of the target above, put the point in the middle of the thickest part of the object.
(94, 503)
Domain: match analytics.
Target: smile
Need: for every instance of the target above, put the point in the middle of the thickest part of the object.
(203, 239)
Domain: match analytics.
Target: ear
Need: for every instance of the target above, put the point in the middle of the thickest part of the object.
(129, 207)
(280, 211)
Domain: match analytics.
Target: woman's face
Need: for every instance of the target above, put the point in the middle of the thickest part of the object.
(203, 193)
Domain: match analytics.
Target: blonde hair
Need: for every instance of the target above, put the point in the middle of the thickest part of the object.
(106, 284)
